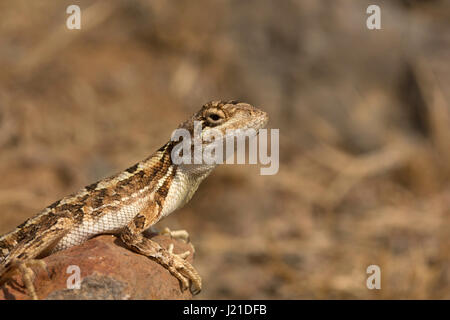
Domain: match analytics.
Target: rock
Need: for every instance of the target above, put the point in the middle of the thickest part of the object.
(108, 271)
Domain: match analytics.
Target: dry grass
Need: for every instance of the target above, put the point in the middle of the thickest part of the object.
(364, 124)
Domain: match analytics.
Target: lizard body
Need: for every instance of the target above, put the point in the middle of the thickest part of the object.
(129, 202)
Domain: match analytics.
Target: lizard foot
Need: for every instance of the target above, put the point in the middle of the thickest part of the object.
(176, 234)
(28, 274)
(183, 270)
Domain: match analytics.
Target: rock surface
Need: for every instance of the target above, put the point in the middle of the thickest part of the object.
(108, 271)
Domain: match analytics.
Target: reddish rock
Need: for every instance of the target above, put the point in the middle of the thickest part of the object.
(108, 271)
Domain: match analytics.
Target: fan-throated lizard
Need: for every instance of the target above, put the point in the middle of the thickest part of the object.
(126, 204)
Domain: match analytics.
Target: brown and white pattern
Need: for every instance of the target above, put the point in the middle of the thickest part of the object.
(128, 203)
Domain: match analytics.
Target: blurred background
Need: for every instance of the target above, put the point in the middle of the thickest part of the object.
(364, 119)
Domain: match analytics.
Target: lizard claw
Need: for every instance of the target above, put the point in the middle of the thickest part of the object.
(176, 234)
(183, 255)
(184, 271)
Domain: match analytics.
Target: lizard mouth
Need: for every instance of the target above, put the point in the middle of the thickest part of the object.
(265, 120)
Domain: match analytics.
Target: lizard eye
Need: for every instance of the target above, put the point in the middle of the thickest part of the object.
(214, 117)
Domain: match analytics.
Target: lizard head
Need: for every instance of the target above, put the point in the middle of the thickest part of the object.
(217, 121)
(223, 116)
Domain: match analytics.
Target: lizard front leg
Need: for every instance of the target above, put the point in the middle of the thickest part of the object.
(132, 236)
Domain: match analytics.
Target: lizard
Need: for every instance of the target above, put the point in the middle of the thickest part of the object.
(127, 204)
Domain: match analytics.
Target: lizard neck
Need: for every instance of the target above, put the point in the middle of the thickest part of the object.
(176, 184)
(185, 183)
